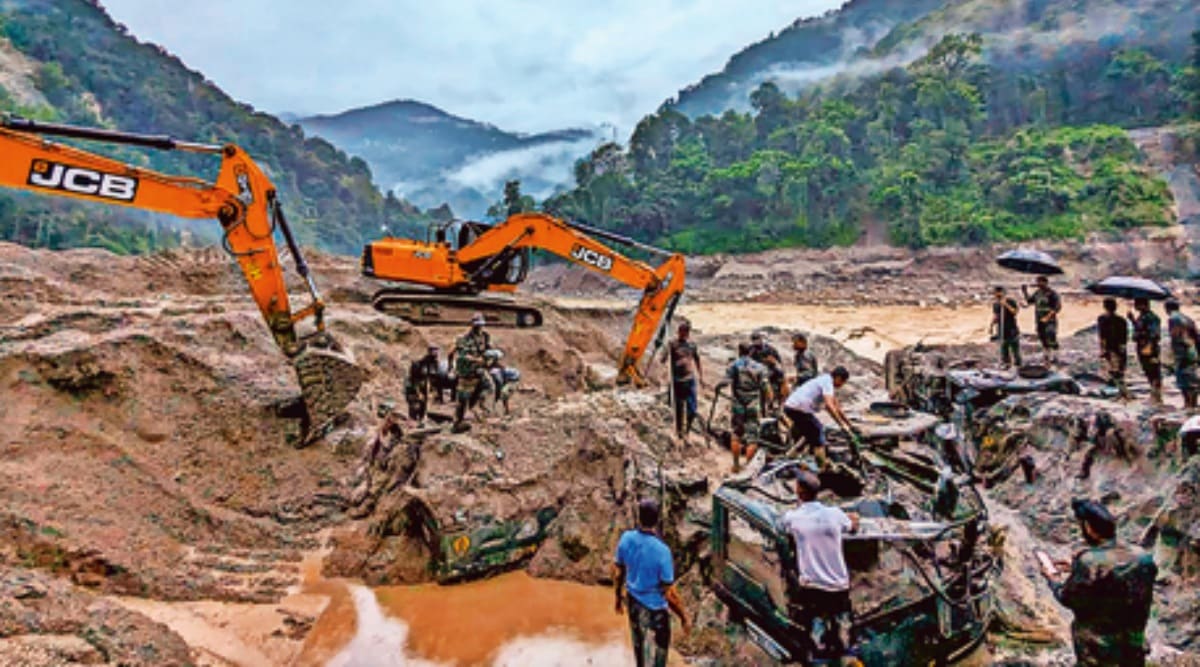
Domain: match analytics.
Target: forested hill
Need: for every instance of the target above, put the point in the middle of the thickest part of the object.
(1007, 136)
(68, 61)
(802, 52)
(870, 36)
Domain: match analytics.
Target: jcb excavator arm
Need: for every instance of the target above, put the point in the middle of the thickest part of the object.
(661, 287)
(242, 199)
(473, 267)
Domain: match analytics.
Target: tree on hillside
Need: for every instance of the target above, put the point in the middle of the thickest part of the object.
(1192, 75)
(513, 203)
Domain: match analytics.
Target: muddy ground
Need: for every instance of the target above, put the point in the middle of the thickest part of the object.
(155, 510)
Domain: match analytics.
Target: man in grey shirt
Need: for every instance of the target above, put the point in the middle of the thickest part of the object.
(820, 595)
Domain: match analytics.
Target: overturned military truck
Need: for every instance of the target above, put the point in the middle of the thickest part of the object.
(922, 563)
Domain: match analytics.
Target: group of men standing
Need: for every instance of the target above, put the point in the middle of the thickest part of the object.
(1141, 325)
(759, 386)
(1047, 304)
(477, 373)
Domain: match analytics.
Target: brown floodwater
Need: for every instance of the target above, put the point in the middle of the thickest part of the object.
(510, 620)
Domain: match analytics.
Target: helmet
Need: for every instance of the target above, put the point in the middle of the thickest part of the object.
(478, 319)
(494, 354)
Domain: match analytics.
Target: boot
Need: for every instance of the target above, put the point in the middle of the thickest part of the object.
(460, 414)
(736, 448)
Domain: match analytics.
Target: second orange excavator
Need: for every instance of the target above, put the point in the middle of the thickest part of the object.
(446, 275)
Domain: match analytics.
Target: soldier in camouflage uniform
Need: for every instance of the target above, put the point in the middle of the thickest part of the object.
(766, 354)
(1046, 306)
(1147, 336)
(751, 391)
(471, 367)
(421, 381)
(1004, 326)
(1184, 339)
(1110, 590)
(806, 362)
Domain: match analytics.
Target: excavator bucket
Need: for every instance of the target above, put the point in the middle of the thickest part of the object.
(329, 381)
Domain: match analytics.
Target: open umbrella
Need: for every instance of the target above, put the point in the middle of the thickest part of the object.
(1029, 261)
(1127, 287)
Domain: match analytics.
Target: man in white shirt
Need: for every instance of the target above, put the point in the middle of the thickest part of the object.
(820, 595)
(803, 404)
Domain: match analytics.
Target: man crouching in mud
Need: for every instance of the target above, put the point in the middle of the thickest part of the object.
(644, 569)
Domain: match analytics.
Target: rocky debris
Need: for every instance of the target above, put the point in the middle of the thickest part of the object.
(1077, 443)
(147, 448)
(881, 275)
(47, 621)
(553, 487)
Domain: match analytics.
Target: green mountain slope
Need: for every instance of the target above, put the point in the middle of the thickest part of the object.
(957, 147)
(1020, 38)
(815, 45)
(66, 60)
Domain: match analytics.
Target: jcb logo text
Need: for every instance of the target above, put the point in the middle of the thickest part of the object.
(81, 181)
(592, 258)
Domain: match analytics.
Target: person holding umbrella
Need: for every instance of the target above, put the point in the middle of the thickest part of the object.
(1004, 327)
(1046, 306)
(1184, 339)
(1147, 334)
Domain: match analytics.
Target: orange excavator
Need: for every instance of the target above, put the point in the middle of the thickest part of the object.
(446, 275)
(242, 200)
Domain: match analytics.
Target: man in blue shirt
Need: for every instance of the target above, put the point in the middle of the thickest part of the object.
(643, 568)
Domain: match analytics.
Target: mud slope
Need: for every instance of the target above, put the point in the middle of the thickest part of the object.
(141, 437)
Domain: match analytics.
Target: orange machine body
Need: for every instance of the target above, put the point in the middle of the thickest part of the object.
(443, 268)
(242, 199)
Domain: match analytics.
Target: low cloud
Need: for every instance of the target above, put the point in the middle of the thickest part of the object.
(524, 65)
(541, 169)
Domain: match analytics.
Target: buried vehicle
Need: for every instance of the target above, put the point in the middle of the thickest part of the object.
(921, 562)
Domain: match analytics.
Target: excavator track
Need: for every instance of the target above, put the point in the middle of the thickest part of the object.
(433, 308)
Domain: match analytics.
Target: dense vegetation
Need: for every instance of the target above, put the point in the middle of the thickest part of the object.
(90, 72)
(813, 42)
(946, 150)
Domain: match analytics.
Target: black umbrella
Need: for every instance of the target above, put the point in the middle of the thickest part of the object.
(1029, 261)
(1127, 287)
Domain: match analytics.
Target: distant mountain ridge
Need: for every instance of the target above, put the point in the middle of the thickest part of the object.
(871, 36)
(69, 61)
(812, 43)
(422, 151)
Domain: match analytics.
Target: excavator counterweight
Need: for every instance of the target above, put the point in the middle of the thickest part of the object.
(242, 199)
(449, 276)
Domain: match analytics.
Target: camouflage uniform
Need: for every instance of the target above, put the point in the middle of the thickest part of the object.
(1147, 336)
(749, 382)
(1183, 347)
(422, 376)
(806, 367)
(766, 355)
(469, 367)
(1114, 339)
(1009, 332)
(1110, 590)
(1044, 302)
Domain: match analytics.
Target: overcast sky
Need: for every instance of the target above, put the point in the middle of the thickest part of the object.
(525, 65)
